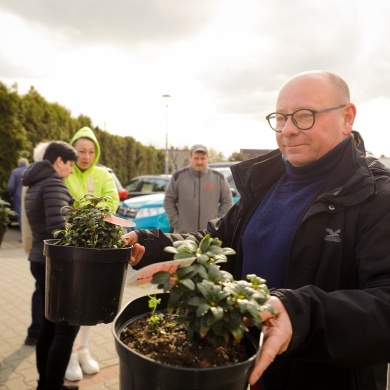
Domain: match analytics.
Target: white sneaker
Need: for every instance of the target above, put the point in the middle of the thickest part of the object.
(88, 365)
(73, 371)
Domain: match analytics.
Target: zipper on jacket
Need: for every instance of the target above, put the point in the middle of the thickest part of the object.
(199, 172)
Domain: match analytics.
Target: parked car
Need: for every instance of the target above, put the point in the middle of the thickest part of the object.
(229, 177)
(147, 212)
(147, 184)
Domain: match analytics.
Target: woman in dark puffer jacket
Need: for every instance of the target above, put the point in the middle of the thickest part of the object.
(46, 195)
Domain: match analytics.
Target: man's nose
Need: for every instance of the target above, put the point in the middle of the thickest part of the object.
(289, 127)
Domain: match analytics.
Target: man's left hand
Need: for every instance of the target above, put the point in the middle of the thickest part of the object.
(277, 331)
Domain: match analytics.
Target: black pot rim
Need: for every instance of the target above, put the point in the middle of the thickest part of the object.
(183, 369)
(53, 241)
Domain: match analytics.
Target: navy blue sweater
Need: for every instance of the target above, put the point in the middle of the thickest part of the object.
(269, 233)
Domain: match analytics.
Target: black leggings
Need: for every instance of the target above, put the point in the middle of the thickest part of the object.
(54, 343)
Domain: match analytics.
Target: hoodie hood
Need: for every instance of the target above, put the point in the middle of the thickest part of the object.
(86, 132)
(37, 172)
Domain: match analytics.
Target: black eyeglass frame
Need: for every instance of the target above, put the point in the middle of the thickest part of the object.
(314, 112)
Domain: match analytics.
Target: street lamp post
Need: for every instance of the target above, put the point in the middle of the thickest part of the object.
(166, 97)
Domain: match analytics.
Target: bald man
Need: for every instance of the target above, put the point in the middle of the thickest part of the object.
(314, 221)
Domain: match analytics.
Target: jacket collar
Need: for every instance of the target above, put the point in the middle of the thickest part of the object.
(352, 182)
(197, 173)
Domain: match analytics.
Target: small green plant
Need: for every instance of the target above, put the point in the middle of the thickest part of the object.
(5, 213)
(210, 304)
(86, 226)
(155, 318)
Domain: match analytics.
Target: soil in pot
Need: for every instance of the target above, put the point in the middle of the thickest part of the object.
(140, 372)
(168, 344)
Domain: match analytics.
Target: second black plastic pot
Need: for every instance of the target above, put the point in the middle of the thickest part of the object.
(84, 286)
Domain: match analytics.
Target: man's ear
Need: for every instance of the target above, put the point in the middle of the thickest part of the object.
(349, 117)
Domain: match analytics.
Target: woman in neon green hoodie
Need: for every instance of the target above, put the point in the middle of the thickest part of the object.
(87, 178)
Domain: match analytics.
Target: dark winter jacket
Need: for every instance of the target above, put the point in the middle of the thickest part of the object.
(46, 195)
(337, 289)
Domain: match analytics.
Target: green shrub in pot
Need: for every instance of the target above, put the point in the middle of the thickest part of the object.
(5, 213)
(86, 225)
(210, 304)
(86, 265)
(199, 336)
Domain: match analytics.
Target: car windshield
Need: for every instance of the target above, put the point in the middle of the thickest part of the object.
(145, 184)
(132, 186)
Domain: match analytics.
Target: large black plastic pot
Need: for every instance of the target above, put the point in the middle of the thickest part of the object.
(84, 286)
(138, 372)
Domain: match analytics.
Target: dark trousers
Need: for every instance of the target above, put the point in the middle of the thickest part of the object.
(54, 344)
(36, 313)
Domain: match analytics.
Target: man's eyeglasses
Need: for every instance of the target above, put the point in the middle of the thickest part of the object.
(304, 118)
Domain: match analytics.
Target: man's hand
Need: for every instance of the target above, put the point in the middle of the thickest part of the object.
(138, 250)
(277, 332)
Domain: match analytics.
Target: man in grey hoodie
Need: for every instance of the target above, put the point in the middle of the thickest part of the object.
(196, 194)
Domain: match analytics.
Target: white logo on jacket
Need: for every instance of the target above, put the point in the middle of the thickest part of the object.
(333, 235)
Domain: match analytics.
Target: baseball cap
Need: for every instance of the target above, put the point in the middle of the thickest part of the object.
(199, 148)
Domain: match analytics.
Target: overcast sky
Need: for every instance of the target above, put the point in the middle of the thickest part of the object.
(221, 61)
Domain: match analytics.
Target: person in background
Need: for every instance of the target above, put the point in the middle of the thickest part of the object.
(88, 178)
(196, 194)
(15, 187)
(45, 196)
(36, 309)
(313, 220)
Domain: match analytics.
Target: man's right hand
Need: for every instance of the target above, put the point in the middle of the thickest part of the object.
(138, 250)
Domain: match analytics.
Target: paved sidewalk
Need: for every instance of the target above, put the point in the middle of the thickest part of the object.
(18, 369)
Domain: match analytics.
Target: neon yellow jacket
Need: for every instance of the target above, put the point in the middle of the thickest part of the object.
(95, 180)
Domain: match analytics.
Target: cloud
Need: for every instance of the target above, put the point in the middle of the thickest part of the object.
(288, 38)
(117, 22)
(10, 70)
(223, 61)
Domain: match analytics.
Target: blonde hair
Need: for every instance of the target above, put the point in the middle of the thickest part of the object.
(39, 151)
